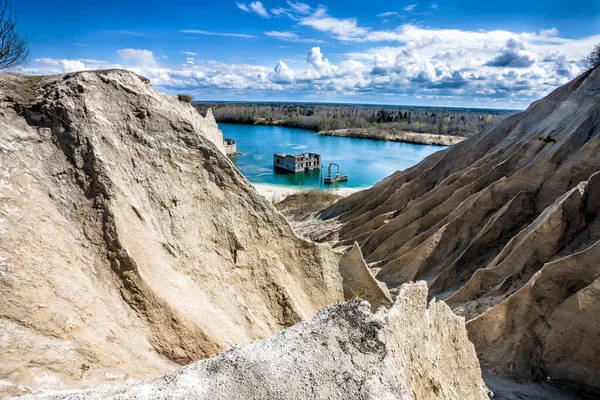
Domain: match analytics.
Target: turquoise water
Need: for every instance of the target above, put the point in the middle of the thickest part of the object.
(365, 161)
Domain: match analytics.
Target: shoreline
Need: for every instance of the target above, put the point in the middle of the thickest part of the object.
(276, 193)
(403, 136)
(381, 134)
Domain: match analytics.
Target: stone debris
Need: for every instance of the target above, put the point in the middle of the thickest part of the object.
(412, 351)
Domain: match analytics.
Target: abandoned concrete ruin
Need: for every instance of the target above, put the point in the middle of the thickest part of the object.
(230, 147)
(297, 162)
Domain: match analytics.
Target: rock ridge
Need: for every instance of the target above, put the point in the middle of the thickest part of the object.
(413, 351)
(129, 243)
(503, 226)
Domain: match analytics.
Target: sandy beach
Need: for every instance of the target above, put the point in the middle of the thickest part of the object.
(276, 193)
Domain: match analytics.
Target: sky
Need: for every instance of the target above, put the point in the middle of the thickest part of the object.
(489, 54)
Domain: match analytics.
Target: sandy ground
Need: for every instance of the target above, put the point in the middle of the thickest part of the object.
(276, 193)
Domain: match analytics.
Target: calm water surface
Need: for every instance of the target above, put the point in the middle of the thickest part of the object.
(365, 161)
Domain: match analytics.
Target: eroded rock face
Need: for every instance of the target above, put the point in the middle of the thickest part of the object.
(412, 351)
(505, 226)
(358, 281)
(129, 244)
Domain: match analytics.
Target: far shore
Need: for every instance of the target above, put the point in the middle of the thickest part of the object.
(395, 136)
(276, 193)
(384, 134)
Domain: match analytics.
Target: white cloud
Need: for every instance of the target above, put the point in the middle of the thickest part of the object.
(301, 8)
(388, 14)
(290, 37)
(281, 74)
(200, 32)
(259, 9)
(435, 6)
(513, 55)
(137, 57)
(91, 61)
(410, 7)
(188, 53)
(295, 11)
(279, 11)
(549, 32)
(60, 66)
(51, 66)
(255, 7)
(343, 29)
(496, 67)
(321, 65)
(242, 7)
(132, 33)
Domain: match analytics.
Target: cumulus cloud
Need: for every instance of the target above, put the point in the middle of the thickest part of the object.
(137, 57)
(255, 7)
(281, 74)
(51, 66)
(321, 65)
(60, 66)
(549, 32)
(468, 67)
(513, 55)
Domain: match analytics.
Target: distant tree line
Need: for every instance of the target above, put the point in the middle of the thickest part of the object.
(446, 121)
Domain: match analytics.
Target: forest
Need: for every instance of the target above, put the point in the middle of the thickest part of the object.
(436, 120)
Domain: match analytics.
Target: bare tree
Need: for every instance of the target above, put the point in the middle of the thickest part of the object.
(593, 59)
(13, 46)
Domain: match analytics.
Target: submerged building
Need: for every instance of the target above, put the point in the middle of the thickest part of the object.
(230, 147)
(296, 162)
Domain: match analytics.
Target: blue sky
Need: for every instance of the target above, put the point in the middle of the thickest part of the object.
(458, 53)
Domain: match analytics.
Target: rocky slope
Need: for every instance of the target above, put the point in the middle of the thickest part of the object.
(412, 351)
(505, 227)
(129, 244)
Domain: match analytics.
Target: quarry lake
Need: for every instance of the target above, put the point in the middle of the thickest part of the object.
(365, 161)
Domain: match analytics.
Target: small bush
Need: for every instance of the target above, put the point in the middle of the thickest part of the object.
(359, 294)
(186, 98)
(307, 201)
